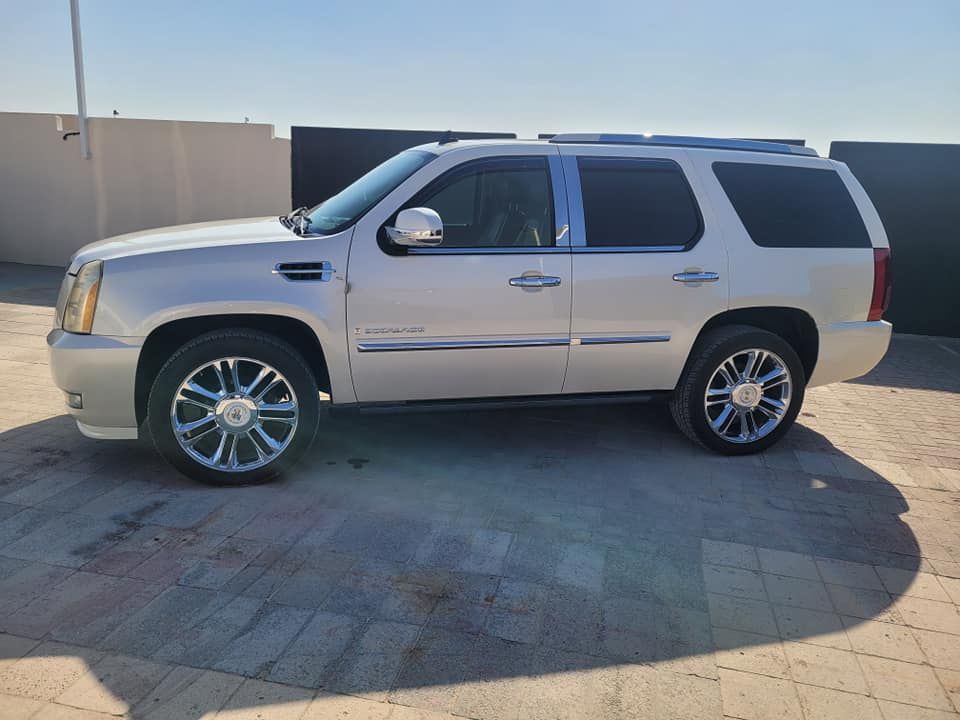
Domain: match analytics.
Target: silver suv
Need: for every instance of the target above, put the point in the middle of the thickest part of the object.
(725, 275)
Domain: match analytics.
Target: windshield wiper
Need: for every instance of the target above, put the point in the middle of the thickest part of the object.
(303, 223)
(297, 220)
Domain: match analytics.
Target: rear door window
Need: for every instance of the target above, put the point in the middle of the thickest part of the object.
(793, 207)
(637, 203)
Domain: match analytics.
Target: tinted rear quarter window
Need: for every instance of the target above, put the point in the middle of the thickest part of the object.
(637, 203)
(793, 207)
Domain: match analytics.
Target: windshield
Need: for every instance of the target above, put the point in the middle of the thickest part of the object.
(348, 205)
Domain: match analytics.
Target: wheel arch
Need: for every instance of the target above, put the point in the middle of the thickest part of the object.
(794, 325)
(164, 340)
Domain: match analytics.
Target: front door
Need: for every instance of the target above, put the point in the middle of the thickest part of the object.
(486, 313)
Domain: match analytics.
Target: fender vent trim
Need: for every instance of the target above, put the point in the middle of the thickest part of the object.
(321, 271)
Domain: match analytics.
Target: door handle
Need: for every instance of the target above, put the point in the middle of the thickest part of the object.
(534, 281)
(696, 277)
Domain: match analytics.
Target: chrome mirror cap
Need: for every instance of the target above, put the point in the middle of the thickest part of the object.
(417, 227)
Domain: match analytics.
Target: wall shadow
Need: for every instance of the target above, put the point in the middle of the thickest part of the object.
(29, 284)
(410, 553)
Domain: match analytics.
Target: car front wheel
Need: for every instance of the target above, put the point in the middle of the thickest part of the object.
(233, 407)
(741, 391)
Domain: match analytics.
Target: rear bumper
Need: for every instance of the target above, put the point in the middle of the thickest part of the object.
(849, 350)
(103, 371)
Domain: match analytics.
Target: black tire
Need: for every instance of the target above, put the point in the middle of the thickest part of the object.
(687, 406)
(235, 342)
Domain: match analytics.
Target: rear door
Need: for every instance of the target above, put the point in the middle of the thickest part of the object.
(649, 266)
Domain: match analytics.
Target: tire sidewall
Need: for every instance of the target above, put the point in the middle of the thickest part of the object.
(204, 349)
(742, 341)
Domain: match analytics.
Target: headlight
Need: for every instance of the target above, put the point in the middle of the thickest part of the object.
(82, 301)
(65, 287)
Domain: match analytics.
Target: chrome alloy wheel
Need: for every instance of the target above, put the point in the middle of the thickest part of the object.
(234, 414)
(748, 395)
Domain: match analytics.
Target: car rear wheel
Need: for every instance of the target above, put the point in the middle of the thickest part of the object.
(741, 391)
(233, 407)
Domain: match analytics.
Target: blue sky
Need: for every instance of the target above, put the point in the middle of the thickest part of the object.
(822, 70)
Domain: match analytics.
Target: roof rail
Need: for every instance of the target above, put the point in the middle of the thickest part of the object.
(447, 137)
(682, 141)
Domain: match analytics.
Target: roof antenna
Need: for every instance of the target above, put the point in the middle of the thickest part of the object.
(447, 137)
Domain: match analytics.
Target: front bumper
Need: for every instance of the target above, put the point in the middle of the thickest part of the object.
(849, 350)
(103, 370)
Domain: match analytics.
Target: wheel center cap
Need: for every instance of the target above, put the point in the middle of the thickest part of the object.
(747, 395)
(236, 413)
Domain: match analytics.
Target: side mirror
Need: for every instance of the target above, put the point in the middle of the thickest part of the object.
(417, 227)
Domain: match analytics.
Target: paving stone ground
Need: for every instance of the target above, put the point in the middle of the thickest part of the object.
(577, 563)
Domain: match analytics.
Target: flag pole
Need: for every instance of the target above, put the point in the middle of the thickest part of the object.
(78, 71)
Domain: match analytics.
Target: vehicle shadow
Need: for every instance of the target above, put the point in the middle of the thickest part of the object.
(464, 561)
(898, 371)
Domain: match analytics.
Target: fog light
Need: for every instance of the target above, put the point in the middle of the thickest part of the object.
(74, 400)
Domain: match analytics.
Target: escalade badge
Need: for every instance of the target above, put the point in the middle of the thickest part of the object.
(390, 330)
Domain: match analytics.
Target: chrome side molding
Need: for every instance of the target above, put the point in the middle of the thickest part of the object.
(623, 339)
(403, 345)
(393, 346)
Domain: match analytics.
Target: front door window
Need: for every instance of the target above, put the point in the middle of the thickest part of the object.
(501, 204)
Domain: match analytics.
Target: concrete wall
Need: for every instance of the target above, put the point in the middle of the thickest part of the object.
(141, 174)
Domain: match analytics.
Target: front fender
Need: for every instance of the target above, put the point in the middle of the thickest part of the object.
(143, 292)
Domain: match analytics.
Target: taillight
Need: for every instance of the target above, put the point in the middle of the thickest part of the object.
(881, 283)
